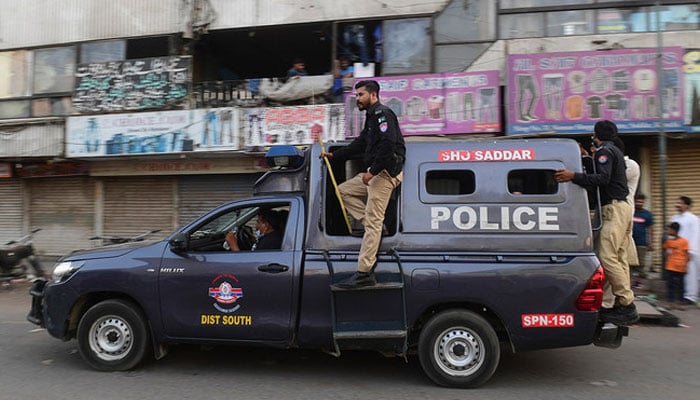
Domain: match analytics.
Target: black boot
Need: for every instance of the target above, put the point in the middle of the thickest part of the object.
(620, 315)
(358, 279)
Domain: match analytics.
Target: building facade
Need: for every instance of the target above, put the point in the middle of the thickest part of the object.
(123, 116)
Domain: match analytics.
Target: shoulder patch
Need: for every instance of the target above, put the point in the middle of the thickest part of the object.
(602, 159)
(382, 118)
(384, 126)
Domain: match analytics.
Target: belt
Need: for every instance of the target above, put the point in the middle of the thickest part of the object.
(614, 201)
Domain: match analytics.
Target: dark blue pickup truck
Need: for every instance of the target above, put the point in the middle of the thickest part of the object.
(483, 252)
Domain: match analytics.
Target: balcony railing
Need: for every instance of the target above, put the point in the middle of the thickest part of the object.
(265, 92)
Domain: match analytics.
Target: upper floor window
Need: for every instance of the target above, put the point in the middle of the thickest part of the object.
(506, 4)
(41, 82)
(565, 18)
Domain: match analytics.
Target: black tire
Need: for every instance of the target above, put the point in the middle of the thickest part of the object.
(459, 348)
(112, 336)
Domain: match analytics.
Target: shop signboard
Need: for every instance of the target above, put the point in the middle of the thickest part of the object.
(5, 170)
(691, 70)
(432, 104)
(130, 85)
(570, 92)
(212, 129)
(293, 125)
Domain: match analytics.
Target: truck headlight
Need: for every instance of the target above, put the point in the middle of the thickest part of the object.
(64, 270)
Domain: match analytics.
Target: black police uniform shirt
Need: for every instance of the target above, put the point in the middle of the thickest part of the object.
(380, 141)
(609, 176)
(271, 241)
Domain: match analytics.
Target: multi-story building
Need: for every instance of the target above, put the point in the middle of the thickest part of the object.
(122, 116)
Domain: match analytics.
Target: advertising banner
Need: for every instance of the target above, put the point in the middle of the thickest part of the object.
(465, 102)
(153, 132)
(570, 92)
(132, 85)
(5, 170)
(691, 69)
(293, 125)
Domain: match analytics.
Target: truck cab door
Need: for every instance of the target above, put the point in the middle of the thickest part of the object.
(209, 292)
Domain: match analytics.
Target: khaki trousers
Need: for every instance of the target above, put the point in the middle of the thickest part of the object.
(612, 246)
(371, 214)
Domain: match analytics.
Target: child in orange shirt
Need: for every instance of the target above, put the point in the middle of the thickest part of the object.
(676, 249)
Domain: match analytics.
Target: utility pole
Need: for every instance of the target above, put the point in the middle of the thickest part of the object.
(662, 130)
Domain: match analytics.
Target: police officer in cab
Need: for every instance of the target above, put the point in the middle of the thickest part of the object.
(382, 145)
(617, 213)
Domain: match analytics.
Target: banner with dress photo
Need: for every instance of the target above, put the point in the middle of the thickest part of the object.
(432, 104)
(570, 92)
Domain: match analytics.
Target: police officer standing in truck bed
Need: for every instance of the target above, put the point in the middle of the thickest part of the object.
(384, 151)
(617, 220)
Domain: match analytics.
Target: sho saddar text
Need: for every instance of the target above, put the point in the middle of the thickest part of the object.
(519, 218)
(487, 155)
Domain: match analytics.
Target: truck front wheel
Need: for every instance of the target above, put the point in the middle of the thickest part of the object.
(459, 348)
(112, 336)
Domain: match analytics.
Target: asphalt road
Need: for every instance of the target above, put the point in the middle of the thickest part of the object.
(655, 362)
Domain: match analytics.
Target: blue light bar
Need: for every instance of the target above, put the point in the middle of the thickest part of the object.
(284, 156)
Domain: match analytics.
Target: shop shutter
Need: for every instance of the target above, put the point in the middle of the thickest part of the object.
(134, 205)
(63, 207)
(201, 193)
(10, 209)
(682, 179)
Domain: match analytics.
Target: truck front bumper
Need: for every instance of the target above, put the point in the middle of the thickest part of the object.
(51, 307)
(36, 313)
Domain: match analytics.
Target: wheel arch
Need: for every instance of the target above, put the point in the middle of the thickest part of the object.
(491, 317)
(88, 300)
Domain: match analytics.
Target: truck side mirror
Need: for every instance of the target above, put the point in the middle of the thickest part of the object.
(179, 243)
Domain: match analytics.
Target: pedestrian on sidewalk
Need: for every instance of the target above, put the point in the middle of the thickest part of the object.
(676, 249)
(690, 230)
(642, 234)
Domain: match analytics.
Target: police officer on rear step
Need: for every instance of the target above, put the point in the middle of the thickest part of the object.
(612, 243)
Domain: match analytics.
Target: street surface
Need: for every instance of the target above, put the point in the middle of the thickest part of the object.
(655, 362)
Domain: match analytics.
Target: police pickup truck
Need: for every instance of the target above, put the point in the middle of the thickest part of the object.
(483, 252)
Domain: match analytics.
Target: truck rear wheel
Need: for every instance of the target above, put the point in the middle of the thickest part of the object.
(459, 348)
(112, 336)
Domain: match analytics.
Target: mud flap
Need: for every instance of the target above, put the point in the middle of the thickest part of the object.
(610, 335)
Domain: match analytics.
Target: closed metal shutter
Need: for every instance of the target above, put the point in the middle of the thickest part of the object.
(201, 193)
(134, 205)
(682, 179)
(10, 209)
(63, 207)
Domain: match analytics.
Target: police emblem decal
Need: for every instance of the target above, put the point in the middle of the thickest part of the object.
(225, 293)
(383, 127)
(602, 159)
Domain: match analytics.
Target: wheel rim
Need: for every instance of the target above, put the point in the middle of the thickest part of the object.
(459, 351)
(110, 338)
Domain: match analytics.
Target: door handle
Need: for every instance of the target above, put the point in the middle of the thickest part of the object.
(273, 268)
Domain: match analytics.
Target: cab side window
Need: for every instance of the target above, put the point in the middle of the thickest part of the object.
(450, 182)
(244, 222)
(532, 182)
